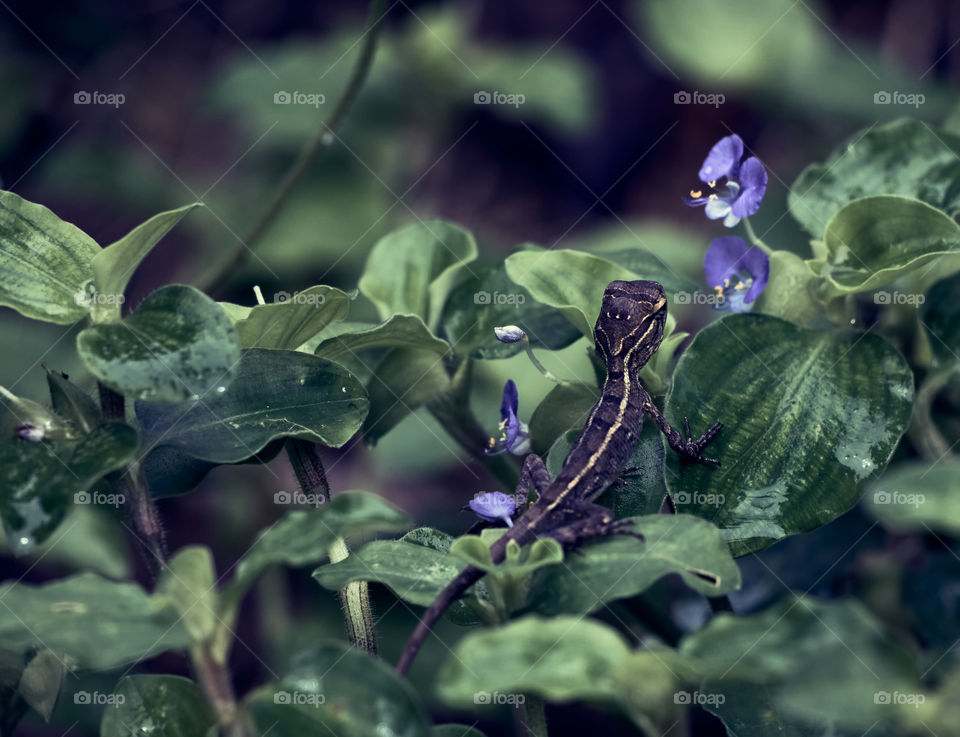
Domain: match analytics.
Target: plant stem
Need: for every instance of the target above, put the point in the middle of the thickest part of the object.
(325, 135)
(754, 239)
(129, 481)
(354, 597)
(215, 682)
(539, 366)
(533, 716)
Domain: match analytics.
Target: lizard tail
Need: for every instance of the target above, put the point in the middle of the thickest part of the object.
(454, 590)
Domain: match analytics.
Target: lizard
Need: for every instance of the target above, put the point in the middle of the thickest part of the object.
(627, 333)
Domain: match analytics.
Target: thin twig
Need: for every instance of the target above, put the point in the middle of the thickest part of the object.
(325, 135)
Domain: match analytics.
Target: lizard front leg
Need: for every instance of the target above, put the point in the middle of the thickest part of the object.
(685, 446)
(534, 472)
(591, 521)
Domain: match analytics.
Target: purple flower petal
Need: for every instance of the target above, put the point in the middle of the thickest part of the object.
(515, 435)
(753, 180)
(494, 506)
(757, 264)
(723, 159)
(723, 258)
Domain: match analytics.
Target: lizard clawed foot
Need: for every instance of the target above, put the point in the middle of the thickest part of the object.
(694, 448)
(623, 527)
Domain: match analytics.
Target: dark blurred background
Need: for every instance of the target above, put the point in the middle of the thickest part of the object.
(114, 111)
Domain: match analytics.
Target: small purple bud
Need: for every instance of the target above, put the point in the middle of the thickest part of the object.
(509, 334)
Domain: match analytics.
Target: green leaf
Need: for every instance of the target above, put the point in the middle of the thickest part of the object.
(571, 281)
(918, 496)
(295, 320)
(406, 379)
(302, 537)
(429, 256)
(824, 660)
(71, 402)
(178, 344)
(621, 566)
(273, 394)
(941, 318)
(40, 682)
(161, 706)
(640, 488)
(905, 157)
(475, 550)
(188, 586)
(88, 539)
(807, 417)
(791, 293)
(417, 567)
(88, 621)
(400, 331)
(454, 730)
(484, 302)
(334, 689)
(45, 263)
(39, 480)
(114, 265)
(562, 659)
(566, 406)
(874, 240)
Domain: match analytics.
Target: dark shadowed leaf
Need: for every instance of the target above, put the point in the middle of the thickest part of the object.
(161, 706)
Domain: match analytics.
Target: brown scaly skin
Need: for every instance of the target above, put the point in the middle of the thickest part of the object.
(627, 334)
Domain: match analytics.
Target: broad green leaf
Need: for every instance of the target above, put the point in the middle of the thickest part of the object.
(475, 550)
(824, 660)
(273, 394)
(87, 621)
(290, 323)
(750, 710)
(406, 378)
(40, 481)
(178, 344)
(188, 586)
(484, 302)
(807, 417)
(411, 270)
(400, 331)
(161, 706)
(562, 659)
(918, 496)
(302, 537)
(941, 318)
(45, 263)
(334, 689)
(906, 157)
(417, 567)
(874, 240)
(621, 566)
(571, 281)
(114, 265)
(566, 406)
(640, 488)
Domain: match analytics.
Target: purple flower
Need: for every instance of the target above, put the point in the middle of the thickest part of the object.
(514, 435)
(494, 506)
(737, 272)
(745, 185)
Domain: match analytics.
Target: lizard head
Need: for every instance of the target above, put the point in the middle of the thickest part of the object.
(630, 326)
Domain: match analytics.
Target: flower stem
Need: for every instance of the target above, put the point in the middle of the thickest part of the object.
(754, 238)
(533, 717)
(539, 366)
(923, 432)
(322, 139)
